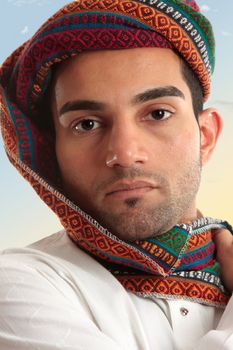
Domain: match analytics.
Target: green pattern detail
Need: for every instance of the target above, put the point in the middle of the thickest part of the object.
(214, 269)
(197, 16)
(173, 240)
(204, 26)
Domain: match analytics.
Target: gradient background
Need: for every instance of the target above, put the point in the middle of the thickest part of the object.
(24, 218)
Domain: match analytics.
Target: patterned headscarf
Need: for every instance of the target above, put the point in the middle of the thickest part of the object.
(86, 25)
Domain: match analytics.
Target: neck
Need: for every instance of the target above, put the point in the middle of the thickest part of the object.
(190, 217)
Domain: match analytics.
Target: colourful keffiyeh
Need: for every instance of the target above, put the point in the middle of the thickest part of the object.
(184, 265)
(179, 263)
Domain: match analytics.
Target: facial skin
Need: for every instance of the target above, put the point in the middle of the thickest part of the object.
(128, 145)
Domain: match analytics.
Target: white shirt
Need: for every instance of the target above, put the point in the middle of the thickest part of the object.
(55, 296)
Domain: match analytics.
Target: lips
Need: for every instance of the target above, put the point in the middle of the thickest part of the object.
(130, 187)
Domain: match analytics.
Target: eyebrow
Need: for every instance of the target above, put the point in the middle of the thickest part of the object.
(152, 94)
(81, 105)
(143, 97)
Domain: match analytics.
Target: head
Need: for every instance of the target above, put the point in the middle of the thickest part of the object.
(131, 138)
(131, 132)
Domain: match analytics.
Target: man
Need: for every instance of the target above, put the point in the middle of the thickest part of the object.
(102, 112)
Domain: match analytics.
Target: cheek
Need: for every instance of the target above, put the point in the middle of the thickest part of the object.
(182, 149)
(189, 144)
(76, 163)
(70, 158)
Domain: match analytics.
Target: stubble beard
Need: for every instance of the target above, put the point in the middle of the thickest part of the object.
(138, 221)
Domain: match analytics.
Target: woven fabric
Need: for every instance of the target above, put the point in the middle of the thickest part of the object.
(187, 266)
(67, 33)
(166, 266)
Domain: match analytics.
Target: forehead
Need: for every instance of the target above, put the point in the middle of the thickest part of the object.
(111, 71)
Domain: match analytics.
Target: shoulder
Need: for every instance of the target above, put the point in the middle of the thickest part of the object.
(56, 249)
(59, 265)
(38, 270)
(53, 288)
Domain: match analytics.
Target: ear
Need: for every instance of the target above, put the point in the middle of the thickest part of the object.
(210, 124)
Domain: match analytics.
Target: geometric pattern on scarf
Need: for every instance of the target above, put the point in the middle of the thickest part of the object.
(177, 249)
(188, 287)
(182, 25)
(188, 261)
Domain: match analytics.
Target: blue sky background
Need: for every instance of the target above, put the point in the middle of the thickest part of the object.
(24, 218)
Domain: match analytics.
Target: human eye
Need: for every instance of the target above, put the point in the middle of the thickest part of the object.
(85, 125)
(160, 114)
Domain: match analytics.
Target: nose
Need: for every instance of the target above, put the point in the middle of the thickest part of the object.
(126, 146)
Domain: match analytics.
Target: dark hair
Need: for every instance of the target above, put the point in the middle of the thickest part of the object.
(195, 87)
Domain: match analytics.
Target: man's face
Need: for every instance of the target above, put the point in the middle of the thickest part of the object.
(127, 141)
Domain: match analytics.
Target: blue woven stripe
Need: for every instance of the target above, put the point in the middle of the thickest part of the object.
(28, 132)
(184, 267)
(93, 25)
(47, 80)
(196, 251)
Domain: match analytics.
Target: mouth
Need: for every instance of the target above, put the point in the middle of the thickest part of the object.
(126, 189)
